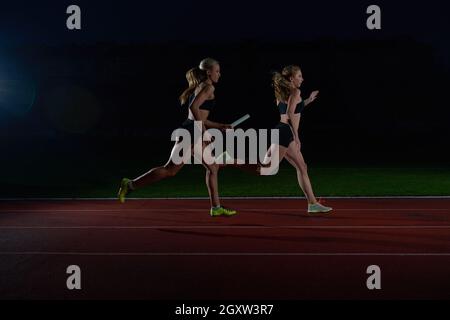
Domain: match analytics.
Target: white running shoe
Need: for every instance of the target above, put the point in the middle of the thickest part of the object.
(224, 158)
(318, 208)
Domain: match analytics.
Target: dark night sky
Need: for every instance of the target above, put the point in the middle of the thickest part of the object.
(43, 21)
(230, 22)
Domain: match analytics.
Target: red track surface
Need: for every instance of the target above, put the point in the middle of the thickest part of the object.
(172, 249)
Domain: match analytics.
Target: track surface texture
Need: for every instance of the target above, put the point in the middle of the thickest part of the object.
(173, 249)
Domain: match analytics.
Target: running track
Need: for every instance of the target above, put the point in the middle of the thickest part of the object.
(172, 249)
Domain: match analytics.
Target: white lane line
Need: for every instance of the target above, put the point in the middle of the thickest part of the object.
(69, 253)
(203, 209)
(224, 227)
(225, 197)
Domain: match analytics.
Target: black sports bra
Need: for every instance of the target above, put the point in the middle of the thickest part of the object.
(207, 104)
(282, 107)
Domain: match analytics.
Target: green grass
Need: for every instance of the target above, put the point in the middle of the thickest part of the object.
(96, 178)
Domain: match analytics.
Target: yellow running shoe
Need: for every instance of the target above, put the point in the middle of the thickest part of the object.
(123, 191)
(221, 211)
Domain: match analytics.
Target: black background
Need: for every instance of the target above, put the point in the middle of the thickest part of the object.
(383, 93)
